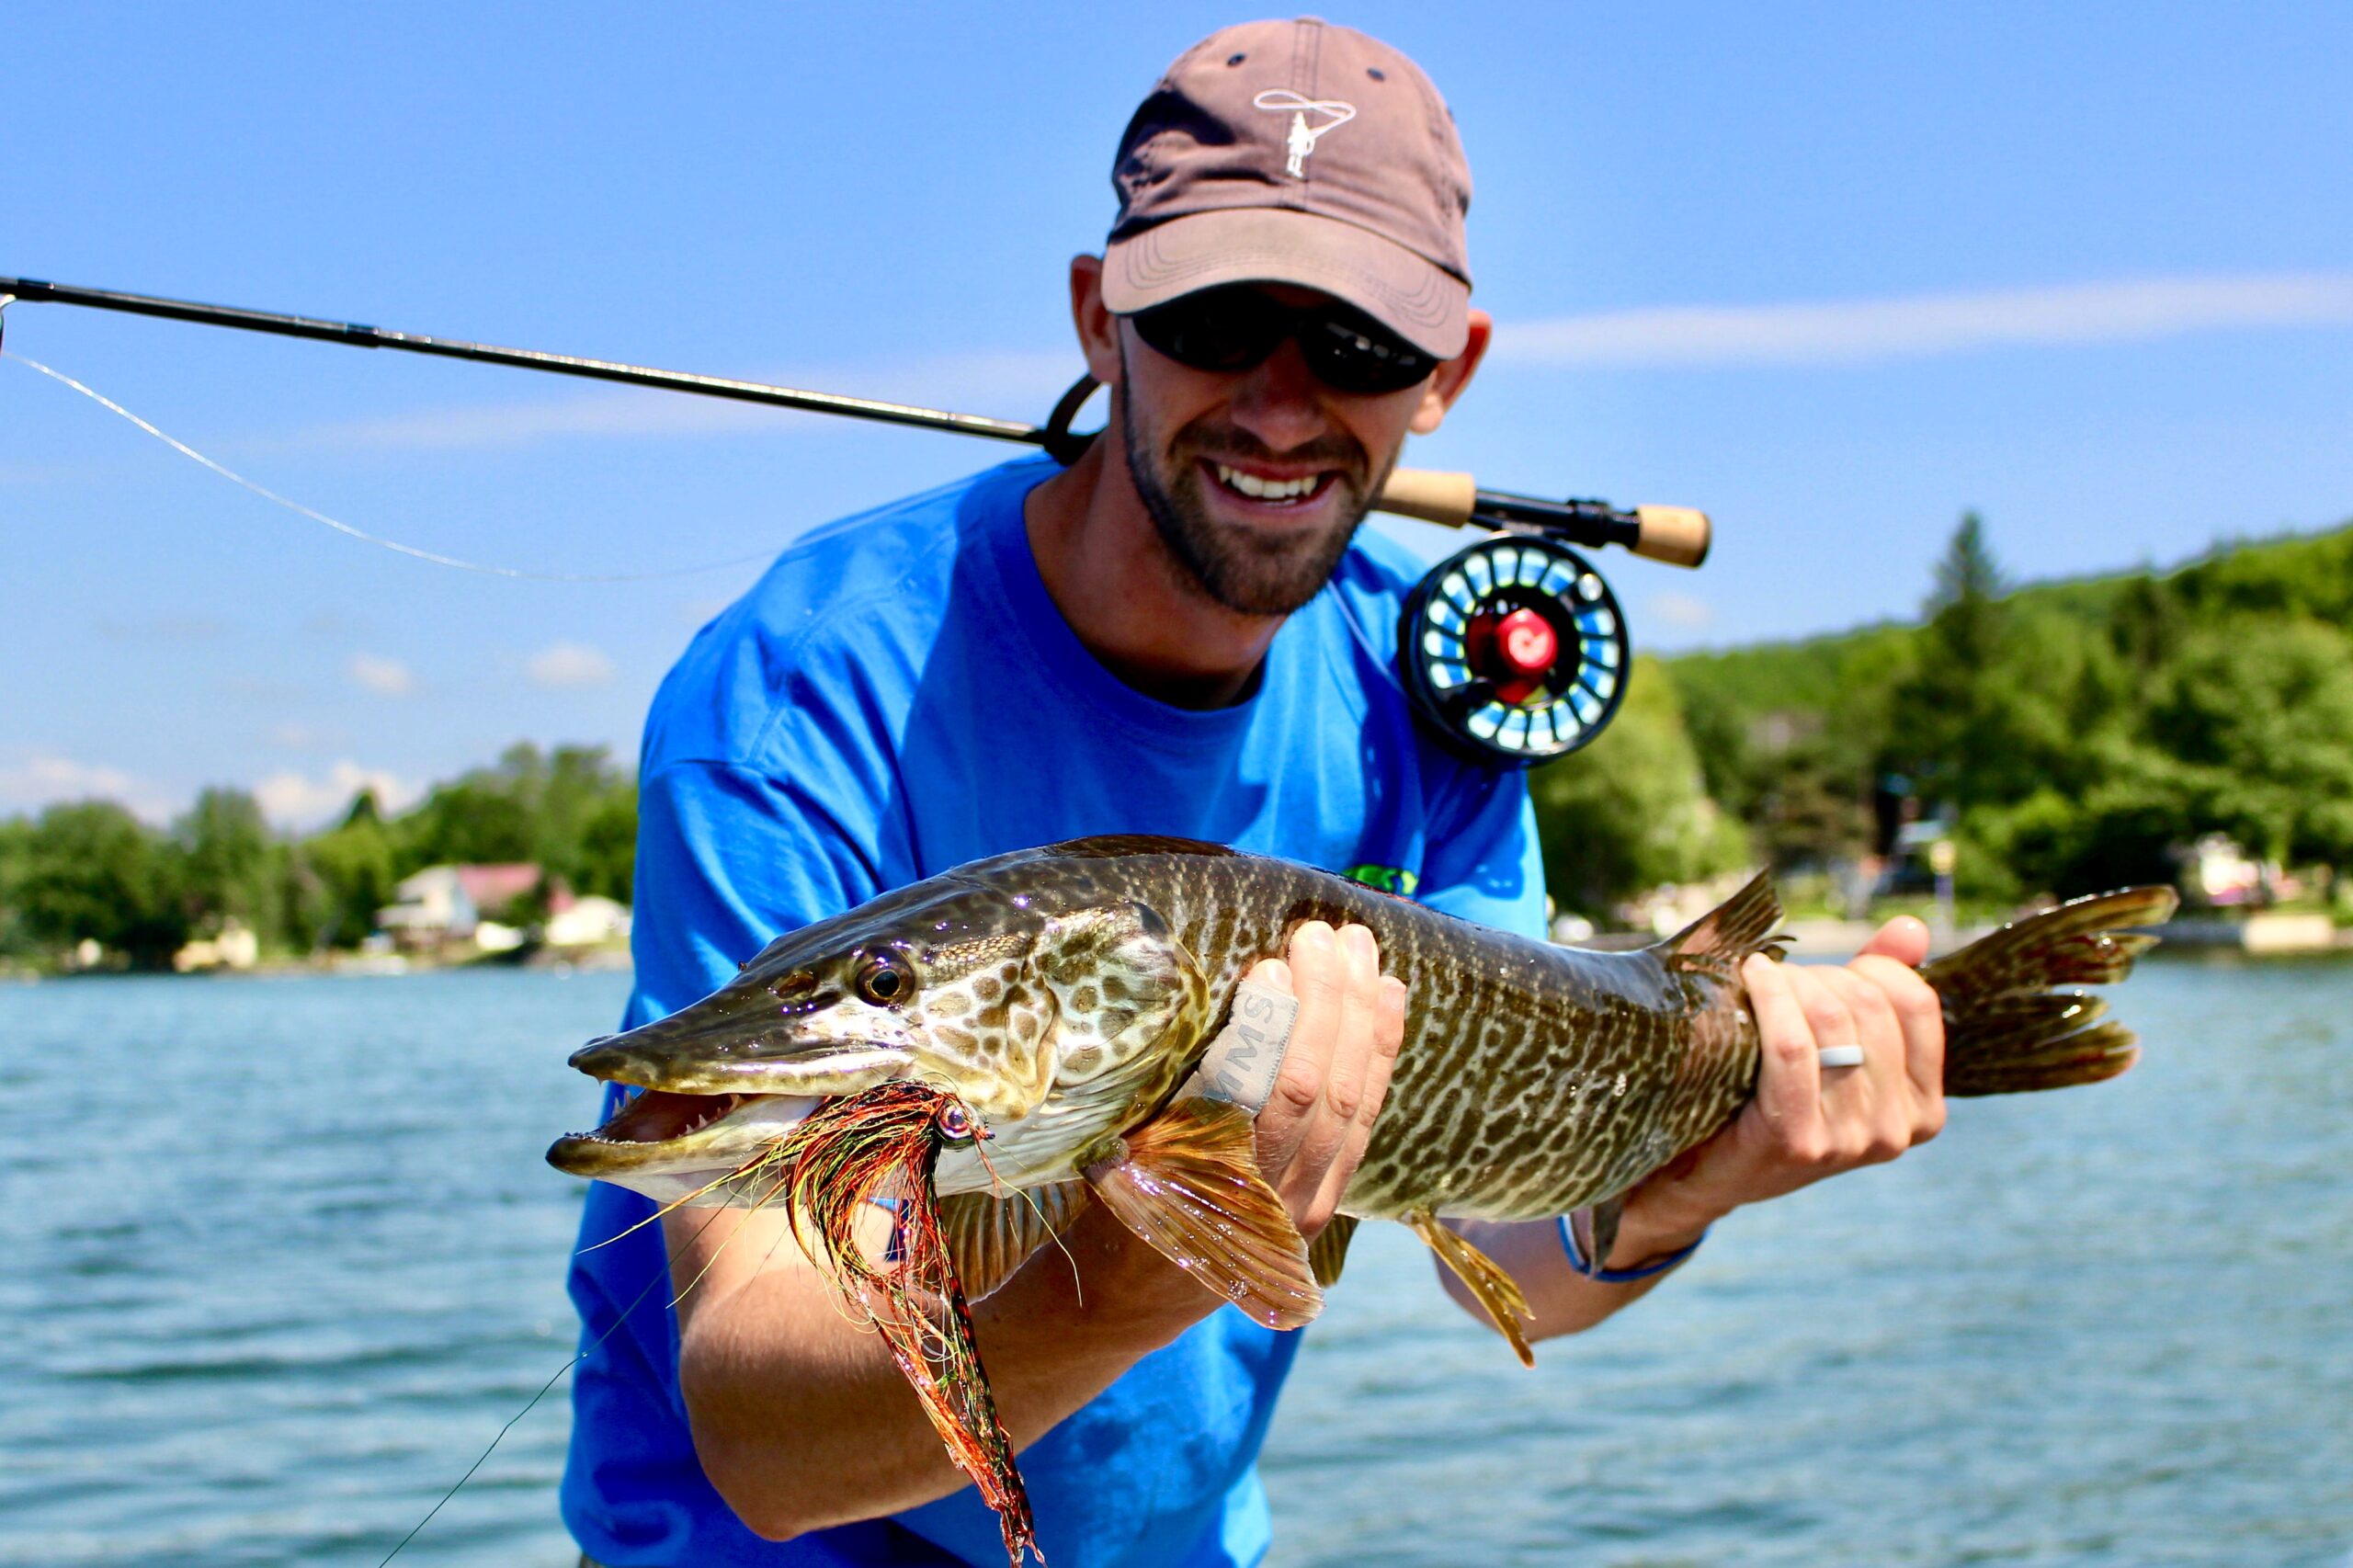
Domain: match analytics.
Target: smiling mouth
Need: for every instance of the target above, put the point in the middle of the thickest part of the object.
(1300, 491)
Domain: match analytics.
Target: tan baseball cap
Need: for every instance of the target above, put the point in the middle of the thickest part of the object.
(1297, 153)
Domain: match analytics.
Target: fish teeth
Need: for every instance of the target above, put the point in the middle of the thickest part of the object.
(1259, 489)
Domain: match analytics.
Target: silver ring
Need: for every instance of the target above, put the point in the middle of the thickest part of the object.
(1841, 1055)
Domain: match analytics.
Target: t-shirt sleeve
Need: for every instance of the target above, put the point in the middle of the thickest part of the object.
(1484, 863)
(728, 858)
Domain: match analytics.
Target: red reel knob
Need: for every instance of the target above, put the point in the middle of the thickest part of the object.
(1526, 643)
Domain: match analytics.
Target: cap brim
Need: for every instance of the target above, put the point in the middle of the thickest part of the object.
(1418, 300)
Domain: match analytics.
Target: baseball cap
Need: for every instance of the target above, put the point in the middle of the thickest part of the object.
(1296, 151)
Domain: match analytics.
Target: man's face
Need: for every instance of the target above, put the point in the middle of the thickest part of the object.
(1255, 479)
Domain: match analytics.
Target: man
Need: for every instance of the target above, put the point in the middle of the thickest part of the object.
(1179, 634)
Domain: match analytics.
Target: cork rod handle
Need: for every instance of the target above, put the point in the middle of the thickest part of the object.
(1431, 495)
(1677, 535)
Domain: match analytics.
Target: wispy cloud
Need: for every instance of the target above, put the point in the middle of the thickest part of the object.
(293, 736)
(1011, 380)
(1852, 332)
(288, 799)
(43, 778)
(568, 666)
(301, 802)
(1682, 611)
(385, 678)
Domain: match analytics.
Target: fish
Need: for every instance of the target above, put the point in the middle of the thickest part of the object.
(1050, 1004)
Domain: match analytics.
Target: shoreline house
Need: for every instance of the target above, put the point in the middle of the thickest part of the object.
(590, 920)
(442, 904)
(446, 906)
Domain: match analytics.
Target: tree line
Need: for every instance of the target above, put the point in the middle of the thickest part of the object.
(2076, 734)
(90, 869)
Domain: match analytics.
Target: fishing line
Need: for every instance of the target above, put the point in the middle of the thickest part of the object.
(361, 534)
(712, 1261)
(578, 1357)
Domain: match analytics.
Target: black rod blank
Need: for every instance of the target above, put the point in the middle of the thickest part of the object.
(34, 292)
(1673, 534)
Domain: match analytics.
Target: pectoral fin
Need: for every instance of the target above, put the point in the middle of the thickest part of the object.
(1602, 1219)
(1483, 1278)
(989, 1237)
(1187, 1182)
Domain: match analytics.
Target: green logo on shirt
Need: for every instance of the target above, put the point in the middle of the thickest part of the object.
(1394, 881)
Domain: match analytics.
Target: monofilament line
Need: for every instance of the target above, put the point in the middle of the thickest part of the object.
(620, 1322)
(361, 534)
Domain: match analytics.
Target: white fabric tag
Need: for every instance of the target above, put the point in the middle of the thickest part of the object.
(1243, 1059)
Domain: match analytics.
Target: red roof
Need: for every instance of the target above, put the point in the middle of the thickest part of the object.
(492, 886)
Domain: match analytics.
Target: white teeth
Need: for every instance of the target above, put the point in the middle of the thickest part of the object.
(1265, 489)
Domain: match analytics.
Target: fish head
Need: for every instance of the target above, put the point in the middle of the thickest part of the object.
(948, 982)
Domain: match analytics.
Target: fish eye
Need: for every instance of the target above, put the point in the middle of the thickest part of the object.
(883, 983)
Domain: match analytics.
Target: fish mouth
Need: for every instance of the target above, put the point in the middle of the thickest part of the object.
(644, 1060)
(700, 1117)
(660, 1133)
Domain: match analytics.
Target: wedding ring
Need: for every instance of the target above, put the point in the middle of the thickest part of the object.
(1841, 1055)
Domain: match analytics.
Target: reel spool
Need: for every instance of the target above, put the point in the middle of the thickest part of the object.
(1514, 648)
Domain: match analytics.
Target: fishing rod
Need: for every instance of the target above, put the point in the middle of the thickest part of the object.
(1514, 647)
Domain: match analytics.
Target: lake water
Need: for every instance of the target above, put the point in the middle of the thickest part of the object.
(277, 1257)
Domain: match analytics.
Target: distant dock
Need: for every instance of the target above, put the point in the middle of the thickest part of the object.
(2264, 935)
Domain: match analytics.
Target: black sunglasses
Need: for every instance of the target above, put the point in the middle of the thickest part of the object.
(1235, 327)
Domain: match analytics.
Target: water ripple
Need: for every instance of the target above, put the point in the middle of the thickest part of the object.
(266, 1324)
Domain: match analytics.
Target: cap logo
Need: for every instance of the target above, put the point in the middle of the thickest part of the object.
(1302, 139)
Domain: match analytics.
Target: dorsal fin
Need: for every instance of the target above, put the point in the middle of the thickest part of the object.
(1717, 942)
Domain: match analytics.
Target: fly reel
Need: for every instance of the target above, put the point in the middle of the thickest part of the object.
(1514, 648)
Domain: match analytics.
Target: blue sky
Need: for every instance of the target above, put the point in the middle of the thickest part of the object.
(1832, 272)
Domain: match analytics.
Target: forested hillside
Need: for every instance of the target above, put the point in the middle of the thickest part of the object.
(2079, 730)
(90, 869)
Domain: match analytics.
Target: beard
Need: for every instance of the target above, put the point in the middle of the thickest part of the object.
(1235, 565)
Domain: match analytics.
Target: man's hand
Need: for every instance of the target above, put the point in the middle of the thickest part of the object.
(1809, 1121)
(1351, 1022)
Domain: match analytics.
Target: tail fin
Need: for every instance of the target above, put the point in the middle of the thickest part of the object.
(2008, 1028)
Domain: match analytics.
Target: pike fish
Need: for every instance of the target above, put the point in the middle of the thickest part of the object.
(1054, 1001)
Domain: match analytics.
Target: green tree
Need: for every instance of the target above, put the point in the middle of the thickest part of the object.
(1629, 811)
(15, 852)
(2260, 713)
(531, 806)
(607, 862)
(94, 870)
(1946, 718)
(343, 876)
(225, 856)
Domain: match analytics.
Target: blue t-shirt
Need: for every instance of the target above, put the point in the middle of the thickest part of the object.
(900, 695)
